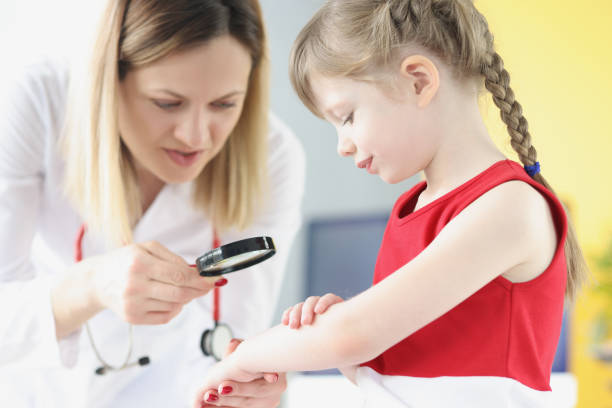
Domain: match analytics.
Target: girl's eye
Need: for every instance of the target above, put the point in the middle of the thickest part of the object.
(165, 105)
(224, 105)
(349, 119)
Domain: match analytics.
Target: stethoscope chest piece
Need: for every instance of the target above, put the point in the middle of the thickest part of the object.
(214, 341)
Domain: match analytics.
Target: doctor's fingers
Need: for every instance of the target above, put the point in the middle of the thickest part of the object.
(168, 267)
(159, 251)
(178, 275)
(159, 317)
(244, 402)
(170, 293)
(149, 311)
(211, 397)
(259, 388)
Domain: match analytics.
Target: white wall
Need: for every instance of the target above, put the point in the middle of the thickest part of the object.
(30, 28)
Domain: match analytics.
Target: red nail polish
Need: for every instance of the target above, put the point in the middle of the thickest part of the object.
(212, 398)
(221, 282)
(226, 390)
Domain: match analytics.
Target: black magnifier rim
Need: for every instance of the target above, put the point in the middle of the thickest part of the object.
(233, 249)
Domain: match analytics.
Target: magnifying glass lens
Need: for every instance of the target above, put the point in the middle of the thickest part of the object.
(237, 260)
(235, 256)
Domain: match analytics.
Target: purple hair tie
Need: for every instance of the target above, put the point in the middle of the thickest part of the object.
(533, 170)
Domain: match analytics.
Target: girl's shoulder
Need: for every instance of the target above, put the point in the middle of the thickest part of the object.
(534, 221)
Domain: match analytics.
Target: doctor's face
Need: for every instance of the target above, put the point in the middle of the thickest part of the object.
(176, 114)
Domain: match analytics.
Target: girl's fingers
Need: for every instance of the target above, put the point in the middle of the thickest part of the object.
(296, 316)
(231, 347)
(303, 313)
(286, 315)
(308, 310)
(326, 301)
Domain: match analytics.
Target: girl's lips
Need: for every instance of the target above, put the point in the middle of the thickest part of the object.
(183, 159)
(365, 164)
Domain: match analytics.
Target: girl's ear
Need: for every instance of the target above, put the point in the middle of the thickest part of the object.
(423, 76)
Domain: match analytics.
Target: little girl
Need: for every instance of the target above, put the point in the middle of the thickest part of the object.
(469, 286)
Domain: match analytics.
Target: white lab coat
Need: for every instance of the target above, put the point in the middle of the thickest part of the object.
(38, 228)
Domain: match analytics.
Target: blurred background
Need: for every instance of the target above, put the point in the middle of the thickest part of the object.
(559, 56)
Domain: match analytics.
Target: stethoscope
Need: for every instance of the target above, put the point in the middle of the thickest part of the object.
(219, 261)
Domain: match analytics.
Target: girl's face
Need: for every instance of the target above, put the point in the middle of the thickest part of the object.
(384, 134)
(176, 114)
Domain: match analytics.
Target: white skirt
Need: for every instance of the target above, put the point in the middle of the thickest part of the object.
(457, 392)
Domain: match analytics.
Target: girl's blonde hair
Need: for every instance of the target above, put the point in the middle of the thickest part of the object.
(100, 176)
(358, 38)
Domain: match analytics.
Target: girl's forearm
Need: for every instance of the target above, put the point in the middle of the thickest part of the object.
(335, 339)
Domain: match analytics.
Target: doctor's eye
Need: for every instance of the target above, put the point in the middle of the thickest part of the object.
(349, 118)
(224, 105)
(165, 105)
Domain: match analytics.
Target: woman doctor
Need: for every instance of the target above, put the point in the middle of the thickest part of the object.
(166, 144)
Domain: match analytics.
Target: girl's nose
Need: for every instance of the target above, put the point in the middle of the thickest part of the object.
(346, 147)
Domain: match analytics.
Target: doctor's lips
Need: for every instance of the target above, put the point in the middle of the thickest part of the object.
(184, 158)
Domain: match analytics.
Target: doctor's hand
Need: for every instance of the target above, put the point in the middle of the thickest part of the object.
(226, 386)
(145, 283)
(303, 313)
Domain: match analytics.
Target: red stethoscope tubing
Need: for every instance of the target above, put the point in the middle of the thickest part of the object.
(217, 291)
(78, 257)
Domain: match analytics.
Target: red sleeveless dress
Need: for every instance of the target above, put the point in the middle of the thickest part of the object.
(505, 329)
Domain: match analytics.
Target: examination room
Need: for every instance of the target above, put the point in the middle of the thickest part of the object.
(216, 203)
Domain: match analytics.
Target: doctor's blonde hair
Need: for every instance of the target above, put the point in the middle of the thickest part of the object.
(100, 177)
(362, 39)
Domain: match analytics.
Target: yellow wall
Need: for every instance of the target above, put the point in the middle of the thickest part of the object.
(559, 55)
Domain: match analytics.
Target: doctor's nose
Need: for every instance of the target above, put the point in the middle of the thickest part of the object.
(194, 131)
(346, 147)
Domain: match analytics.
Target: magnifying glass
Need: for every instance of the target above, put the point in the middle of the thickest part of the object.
(225, 259)
(235, 256)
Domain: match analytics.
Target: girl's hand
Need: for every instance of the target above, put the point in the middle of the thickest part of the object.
(227, 386)
(303, 313)
(144, 283)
